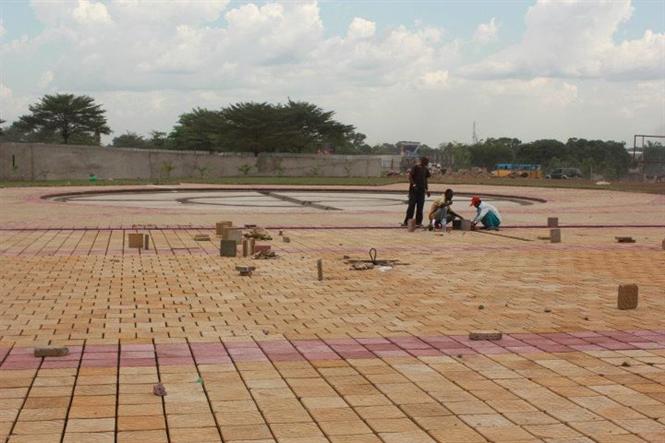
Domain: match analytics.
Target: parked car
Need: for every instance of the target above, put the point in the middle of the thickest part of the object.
(564, 173)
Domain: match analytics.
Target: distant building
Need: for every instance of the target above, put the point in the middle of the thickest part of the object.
(408, 149)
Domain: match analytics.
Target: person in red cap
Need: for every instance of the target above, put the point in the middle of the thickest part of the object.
(486, 214)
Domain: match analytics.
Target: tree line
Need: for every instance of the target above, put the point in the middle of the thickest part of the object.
(295, 126)
(302, 127)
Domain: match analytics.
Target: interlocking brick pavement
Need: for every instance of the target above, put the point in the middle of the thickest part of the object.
(362, 356)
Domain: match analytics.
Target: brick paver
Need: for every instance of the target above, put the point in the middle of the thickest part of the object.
(381, 355)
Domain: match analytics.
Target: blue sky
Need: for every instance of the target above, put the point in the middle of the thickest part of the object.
(422, 70)
(459, 17)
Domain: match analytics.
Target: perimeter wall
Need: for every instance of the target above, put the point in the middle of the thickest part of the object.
(36, 161)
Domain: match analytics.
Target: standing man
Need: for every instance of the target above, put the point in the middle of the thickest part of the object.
(486, 214)
(418, 187)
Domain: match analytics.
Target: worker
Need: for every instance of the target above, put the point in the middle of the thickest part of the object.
(440, 213)
(486, 214)
(418, 187)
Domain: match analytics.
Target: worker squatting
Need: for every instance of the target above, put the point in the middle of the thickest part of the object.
(441, 212)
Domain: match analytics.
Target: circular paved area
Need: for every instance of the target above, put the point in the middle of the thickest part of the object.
(270, 200)
(362, 356)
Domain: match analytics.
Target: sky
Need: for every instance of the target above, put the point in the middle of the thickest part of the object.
(397, 70)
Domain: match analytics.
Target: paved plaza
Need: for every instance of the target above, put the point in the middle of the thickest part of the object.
(380, 355)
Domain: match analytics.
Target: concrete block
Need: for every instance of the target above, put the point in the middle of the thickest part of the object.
(51, 351)
(411, 224)
(228, 248)
(159, 390)
(219, 226)
(232, 234)
(663, 245)
(286, 239)
(485, 335)
(465, 225)
(245, 248)
(201, 237)
(555, 235)
(252, 246)
(138, 240)
(552, 222)
(319, 268)
(261, 248)
(627, 298)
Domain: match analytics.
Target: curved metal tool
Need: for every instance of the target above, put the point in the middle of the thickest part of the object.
(372, 255)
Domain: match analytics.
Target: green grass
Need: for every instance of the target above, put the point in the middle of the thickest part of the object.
(650, 188)
(653, 188)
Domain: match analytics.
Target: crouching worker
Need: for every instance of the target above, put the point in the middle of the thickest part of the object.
(440, 213)
(486, 214)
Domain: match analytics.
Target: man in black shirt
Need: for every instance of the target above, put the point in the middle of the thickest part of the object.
(418, 176)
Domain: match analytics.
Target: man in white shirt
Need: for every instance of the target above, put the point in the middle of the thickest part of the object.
(486, 214)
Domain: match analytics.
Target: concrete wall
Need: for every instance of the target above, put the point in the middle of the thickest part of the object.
(36, 161)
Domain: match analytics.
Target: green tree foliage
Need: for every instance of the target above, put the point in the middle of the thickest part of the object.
(130, 140)
(17, 132)
(263, 127)
(492, 151)
(456, 155)
(68, 117)
(200, 129)
(607, 158)
(654, 159)
(1, 122)
(159, 140)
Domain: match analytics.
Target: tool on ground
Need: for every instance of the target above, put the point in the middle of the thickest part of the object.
(245, 271)
(372, 261)
(505, 235)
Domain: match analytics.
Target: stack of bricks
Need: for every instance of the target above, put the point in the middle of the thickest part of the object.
(220, 226)
(138, 240)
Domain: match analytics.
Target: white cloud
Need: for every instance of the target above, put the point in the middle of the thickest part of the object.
(487, 32)
(91, 13)
(575, 39)
(46, 79)
(5, 92)
(435, 79)
(541, 90)
(361, 28)
(148, 64)
(167, 13)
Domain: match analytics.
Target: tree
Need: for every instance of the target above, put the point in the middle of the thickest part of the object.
(130, 140)
(159, 139)
(263, 127)
(66, 116)
(200, 129)
(456, 155)
(1, 122)
(489, 152)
